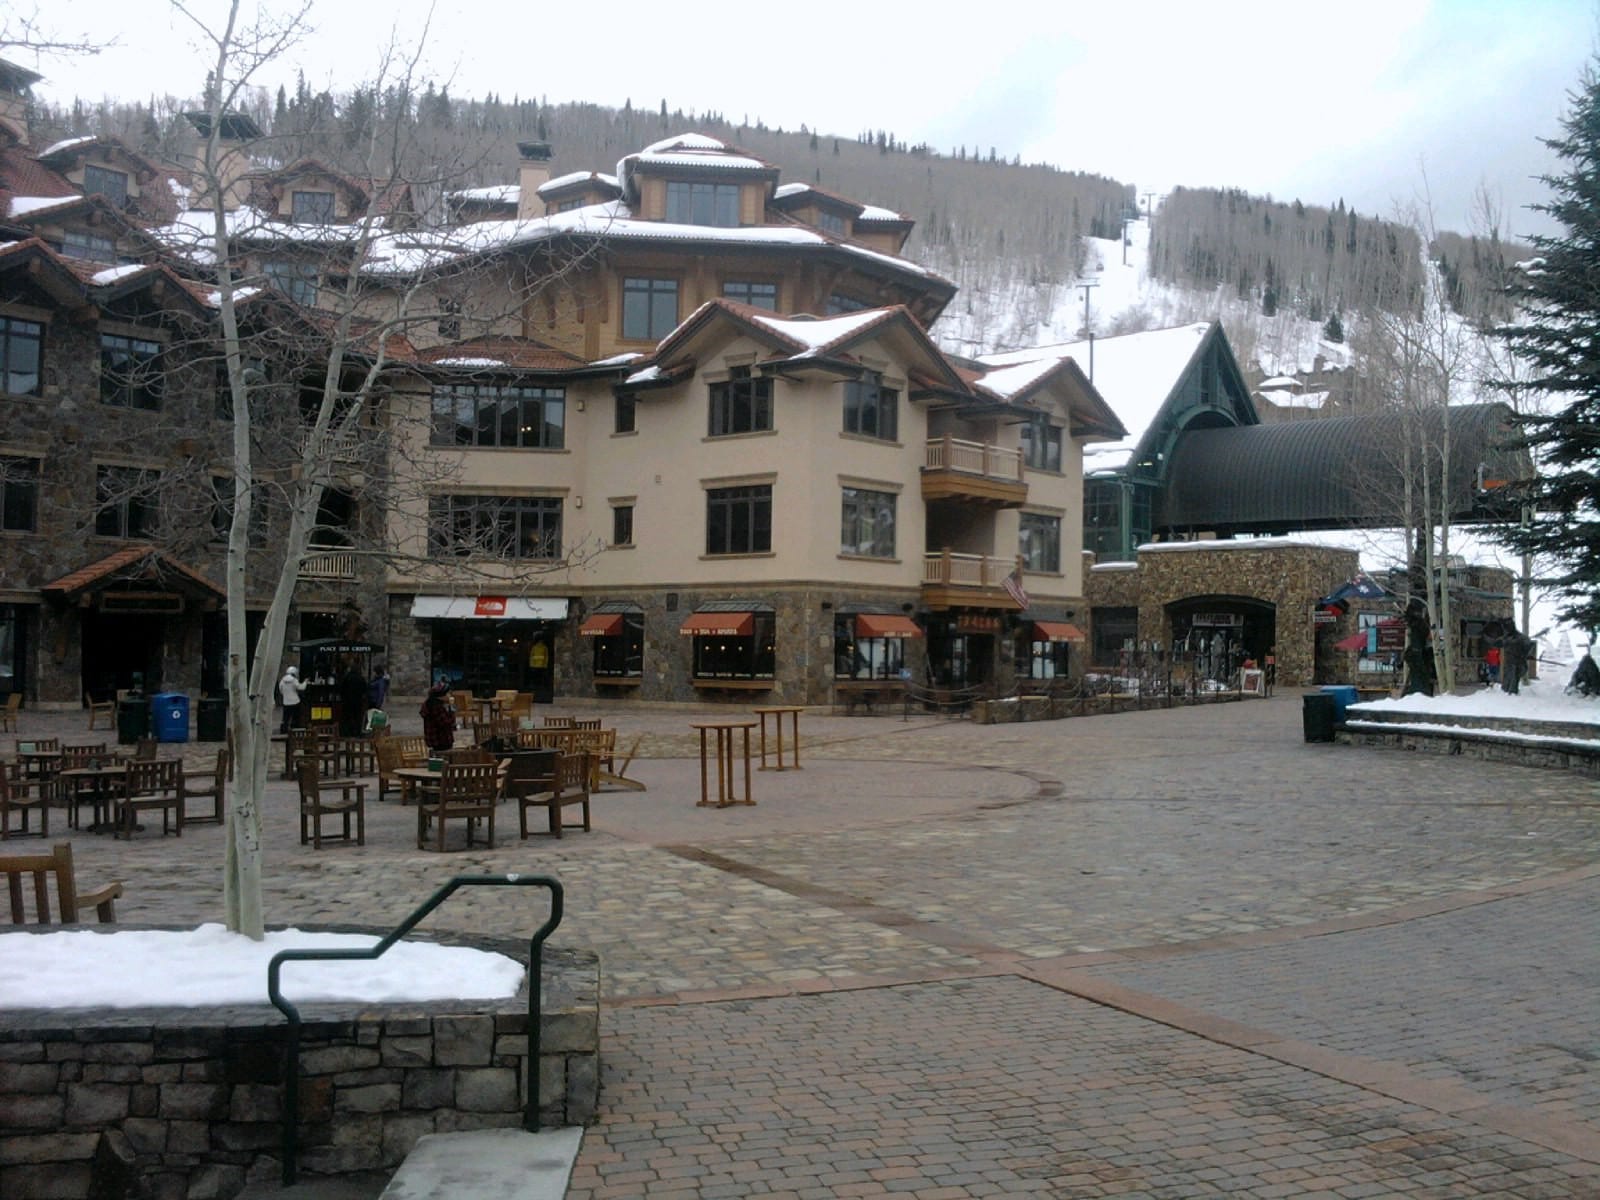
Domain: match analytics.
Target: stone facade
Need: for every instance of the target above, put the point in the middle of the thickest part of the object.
(177, 1103)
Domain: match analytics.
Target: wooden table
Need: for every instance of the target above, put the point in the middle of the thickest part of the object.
(416, 779)
(724, 731)
(103, 783)
(777, 712)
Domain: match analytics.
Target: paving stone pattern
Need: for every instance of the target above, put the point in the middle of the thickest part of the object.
(874, 981)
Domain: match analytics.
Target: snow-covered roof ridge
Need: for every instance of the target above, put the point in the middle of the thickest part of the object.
(504, 193)
(820, 331)
(687, 141)
(67, 144)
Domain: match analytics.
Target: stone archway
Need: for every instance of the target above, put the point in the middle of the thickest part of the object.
(1217, 634)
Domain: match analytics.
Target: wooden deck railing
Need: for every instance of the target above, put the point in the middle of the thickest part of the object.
(974, 458)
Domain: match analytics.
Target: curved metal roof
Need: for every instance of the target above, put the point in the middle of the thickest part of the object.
(1330, 472)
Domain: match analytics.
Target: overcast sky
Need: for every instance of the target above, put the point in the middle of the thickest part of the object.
(1356, 99)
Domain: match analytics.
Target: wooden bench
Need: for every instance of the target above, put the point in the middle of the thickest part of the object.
(69, 900)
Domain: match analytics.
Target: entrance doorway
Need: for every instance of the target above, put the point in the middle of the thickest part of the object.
(117, 648)
(1215, 635)
(488, 656)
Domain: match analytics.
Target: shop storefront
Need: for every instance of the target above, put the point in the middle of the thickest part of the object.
(961, 648)
(1045, 650)
(490, 643)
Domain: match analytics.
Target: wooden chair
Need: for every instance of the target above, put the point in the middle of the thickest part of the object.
(217, 790)
(467, 791)
(519, 709)
(100, 708)
(69, 900)
(586, 722)
(569, 784)
(314, 745)
(74, 794)
(558, 722)
(464, 703)
(151, 785)
(601, 747)
(464, 756)
(392, 756)
(314, 806)
(8, 714)
(24, 795)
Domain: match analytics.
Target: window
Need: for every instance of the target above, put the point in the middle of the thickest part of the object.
(1115, 630)
(739, 520)
(741, 403)
(729, 656)
(622, 525)
(90, 246)
(21, 355)
(626, 413)
(870, 409)
(296, 280)
(503, 415)
(113, 185)
(649, 308)
(864, 658)
(311, 208)
(831, 222)
(1139, 509)
(222, 513)
(336, 519)
(568, 205)
(125, 502)
(1039, 542)
(757, 295)
(1041, 660)
(867, 523)
(130, 372)
(449, 318)
(621, 654)
(703, 203)
(839, 303)
(513, 527)
(1102, 520)
(1041, 445)
(19, 495)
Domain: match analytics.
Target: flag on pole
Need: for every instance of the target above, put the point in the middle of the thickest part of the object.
(1013, 585)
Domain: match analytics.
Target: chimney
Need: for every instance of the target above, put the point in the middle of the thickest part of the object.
(533, 172)
(1319, 363)
(234, 136)
(14, 84)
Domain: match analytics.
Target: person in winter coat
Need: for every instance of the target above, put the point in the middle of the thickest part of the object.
(438, 719)
(290, 689)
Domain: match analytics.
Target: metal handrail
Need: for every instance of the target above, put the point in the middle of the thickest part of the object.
(291, 1087)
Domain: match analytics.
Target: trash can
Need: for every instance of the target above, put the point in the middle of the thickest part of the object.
(211, 721)
(1344, 695)
(1317, 716)
(169, 712)
(133, 719)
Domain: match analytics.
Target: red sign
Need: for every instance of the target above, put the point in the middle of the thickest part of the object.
(489, 606)
(977, 623)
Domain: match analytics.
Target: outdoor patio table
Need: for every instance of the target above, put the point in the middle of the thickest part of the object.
(103, 785)
(724, 731)
(778, 712)
(414, 780)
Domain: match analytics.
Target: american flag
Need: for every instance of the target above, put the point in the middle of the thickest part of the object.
(1013, 585)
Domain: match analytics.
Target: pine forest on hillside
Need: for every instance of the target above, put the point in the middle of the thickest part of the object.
(1010, 235)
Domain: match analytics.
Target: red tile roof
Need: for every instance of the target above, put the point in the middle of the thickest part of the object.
(116, 565)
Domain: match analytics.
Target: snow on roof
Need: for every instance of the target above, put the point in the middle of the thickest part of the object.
(239, 296)
(112, 274)
(1279, 381)
(67, 144)
(469, 362)
(648, 375)
(574, 177)
(33, 204)
(1008, 382)
(1262, 543)
(617, 360)
(816, 334)
(871, 212)
(686, 141)
(499, 193)
(1134, 373)
(1308, 400)
(723, 161)
(789, 189)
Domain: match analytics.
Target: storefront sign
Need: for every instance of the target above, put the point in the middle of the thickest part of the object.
(977, 623)
(1324, 616)
(1391, 635)
(1218, 620)
(489, 606)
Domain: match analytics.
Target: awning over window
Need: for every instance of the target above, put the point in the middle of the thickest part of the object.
(886, 625)
(1356, 641)
(489, 608)
(719, 624)
(601, 625)
(1057, 631)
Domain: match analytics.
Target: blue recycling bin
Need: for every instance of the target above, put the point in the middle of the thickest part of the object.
(169, 712)
(1344, 695)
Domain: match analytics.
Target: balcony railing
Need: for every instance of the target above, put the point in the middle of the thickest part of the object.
(973, 473)
(974, 458)
(328, 563)
(946, 569)
(345, 447)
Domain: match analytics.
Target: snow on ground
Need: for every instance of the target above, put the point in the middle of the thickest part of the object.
(210, 966)
(1539, 700)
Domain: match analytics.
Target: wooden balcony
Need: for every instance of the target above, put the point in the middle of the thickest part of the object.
(330, 563)
(347, 448)
(974, 472)
(952, 580)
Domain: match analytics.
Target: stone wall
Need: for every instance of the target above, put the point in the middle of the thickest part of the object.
(188, 1103)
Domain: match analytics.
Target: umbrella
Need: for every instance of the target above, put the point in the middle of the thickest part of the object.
(1356, 641)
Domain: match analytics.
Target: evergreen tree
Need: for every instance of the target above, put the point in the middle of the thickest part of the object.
(1559, 326)
(1333, 328)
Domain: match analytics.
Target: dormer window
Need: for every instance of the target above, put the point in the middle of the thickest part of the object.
(831, 222)
(103, 181)
(703, 203)
(89, 246)
(312, 208)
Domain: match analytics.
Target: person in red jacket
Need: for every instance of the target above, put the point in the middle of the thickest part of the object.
(438, 719)
(1491, 665)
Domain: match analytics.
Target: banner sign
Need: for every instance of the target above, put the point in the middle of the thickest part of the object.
(489, 606)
